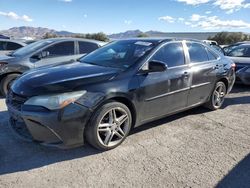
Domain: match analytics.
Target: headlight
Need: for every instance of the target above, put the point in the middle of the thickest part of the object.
(54, 102)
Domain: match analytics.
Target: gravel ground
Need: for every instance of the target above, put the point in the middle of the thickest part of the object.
(197, 148)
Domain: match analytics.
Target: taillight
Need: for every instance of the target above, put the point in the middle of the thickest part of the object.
(233, 65)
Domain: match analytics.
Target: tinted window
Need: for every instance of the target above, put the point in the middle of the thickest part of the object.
(13, 46)
(197, 52)
(61, 49)
(87, 47)
(2, 45)
(240, 52)
(171, 54)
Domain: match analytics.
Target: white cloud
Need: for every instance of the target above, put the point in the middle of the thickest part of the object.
(168, 19)
(66, 1)
(196, 17)
(231, 6)
(14, 16)
(181, 19)
(194, 2)
(85, 15)
(208, 12)
(128, 22)
(213, 22)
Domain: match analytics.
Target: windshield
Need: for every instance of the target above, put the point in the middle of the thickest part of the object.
(119, 54)
(31, 48)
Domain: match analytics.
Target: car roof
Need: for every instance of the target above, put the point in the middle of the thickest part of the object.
(75, 39)
(160, 40)
(15, 41)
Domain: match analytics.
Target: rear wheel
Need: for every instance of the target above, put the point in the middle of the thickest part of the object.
(109, 126)
(218, 96)
(6, 83)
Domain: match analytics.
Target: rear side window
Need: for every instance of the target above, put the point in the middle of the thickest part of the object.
(197, 52)
(86, 47)
(61, 49)
(172, 54)
(13, 46)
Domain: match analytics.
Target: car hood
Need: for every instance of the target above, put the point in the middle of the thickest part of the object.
(61, 79)
(240, 60)
(5, 58)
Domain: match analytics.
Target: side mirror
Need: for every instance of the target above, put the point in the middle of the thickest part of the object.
(156, 66)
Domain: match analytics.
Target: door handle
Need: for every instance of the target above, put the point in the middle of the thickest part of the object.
(216, 67)
(185, 74)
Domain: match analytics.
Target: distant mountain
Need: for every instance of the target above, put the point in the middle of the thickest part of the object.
(34, 32)
(135, 33)
(126, 34)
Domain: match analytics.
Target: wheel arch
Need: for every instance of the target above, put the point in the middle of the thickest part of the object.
(225, 81)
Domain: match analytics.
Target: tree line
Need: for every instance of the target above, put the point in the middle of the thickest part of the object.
(96, 36)
(230, 37)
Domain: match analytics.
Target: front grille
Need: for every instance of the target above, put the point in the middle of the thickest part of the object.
(15, 101)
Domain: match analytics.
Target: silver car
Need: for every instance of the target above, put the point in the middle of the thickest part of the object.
(47, 52)
(7, 46)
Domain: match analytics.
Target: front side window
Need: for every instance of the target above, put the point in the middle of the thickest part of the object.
(2, 45)
(240, 52)
(86, 47)
(172, 54)
(197, 52)
(211, 56)
(60, 49)
(119, 54)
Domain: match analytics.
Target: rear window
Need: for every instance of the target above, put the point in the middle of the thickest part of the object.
(87, 47)
(197, 52)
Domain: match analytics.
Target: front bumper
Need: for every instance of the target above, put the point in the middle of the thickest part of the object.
(62, 128)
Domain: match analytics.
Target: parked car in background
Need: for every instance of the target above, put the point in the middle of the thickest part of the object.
(7, 46)
(229, 48)
(42, 53)
(241, 57)
(115, 88)
(210, 42)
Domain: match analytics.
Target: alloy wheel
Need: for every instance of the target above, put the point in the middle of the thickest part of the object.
(219, 95)
(113, 127)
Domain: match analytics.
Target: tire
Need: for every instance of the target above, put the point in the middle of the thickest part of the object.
(104, 132)
(6, 83)
(217, 97)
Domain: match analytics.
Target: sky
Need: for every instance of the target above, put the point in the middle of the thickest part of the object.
(113, 16)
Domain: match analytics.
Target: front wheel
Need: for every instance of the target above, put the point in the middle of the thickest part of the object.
(109, 126)
(217, 97)
(7, 82)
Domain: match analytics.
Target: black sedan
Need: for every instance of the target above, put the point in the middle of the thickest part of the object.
(115, 88)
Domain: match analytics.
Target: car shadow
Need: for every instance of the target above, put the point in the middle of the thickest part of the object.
(239, 176)
(17, 155)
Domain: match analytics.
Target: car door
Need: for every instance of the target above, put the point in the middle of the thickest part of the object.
(86, 47)
(57, 53)
(203, 65)
(165, 92)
